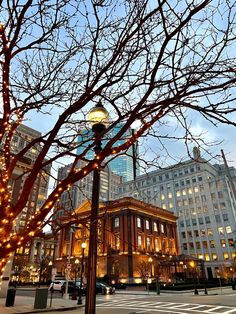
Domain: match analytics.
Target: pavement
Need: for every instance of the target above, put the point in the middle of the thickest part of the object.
(25, 304)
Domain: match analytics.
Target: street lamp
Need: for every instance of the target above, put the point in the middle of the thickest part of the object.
(76, 269)
(83, 245)
(192, 264)
(150, 261)
(98, 118)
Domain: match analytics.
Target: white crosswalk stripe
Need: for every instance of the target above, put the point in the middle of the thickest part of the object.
(179, 308)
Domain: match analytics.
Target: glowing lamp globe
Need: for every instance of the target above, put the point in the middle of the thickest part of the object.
(98, 118)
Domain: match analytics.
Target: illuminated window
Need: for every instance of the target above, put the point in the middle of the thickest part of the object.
(196, 189)
(162, 228)
(162, 197)
(203, 232)
(214, 257)
(190, 191)
(223, 243)
(207, 257)
(147, 224)
(179, 203)
(117, 242)
(234, 255)
(221, 230)
(184, 192)
(117, 222)
(210, 232)
(155, 227)
(178, 194)
(148, 242)
(163, 206)
(212, 243)
(169, 195)
(200, 256)
(170, 205)
(138, 222)
(226, 256)
(204, 244)
(156, 245)
(139, 241)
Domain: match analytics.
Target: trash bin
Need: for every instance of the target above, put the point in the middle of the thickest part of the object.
(41, 298)
(10, 297)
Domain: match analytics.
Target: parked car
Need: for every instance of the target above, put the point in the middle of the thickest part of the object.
(73, 287)
(102, 287)
(56, 285)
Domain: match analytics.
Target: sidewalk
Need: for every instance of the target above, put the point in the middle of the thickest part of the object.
(25, 304)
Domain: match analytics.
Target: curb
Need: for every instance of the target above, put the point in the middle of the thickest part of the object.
(62, 309)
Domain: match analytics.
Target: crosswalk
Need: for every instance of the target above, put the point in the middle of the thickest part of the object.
(141, 306)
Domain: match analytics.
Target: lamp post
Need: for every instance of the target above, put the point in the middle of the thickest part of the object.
(98, 118)
(83, 245)
(150, 261)
(66, 294)
(192, 264)
(76, 269)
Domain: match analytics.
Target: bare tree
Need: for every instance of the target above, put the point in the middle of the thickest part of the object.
(153, 61)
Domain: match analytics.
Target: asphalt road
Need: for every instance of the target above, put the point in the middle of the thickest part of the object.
(153, 304)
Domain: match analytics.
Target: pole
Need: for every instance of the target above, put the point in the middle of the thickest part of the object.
(90, 306)
(66, 295)
(81, 278)
(134, 157)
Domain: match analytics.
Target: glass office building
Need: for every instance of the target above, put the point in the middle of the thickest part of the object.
(123, 165)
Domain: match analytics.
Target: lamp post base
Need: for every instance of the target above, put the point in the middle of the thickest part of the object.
(79, 301)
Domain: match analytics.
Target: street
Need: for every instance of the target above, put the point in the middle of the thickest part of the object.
(171, 303)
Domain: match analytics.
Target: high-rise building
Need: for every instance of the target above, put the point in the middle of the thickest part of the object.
(122, 165)
(201, 195)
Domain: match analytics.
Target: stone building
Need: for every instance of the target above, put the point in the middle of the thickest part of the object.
(130, 232)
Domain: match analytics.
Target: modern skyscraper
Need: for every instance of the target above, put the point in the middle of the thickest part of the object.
(122, 165)
(201, 195)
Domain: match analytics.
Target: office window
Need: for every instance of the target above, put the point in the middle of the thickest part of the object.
(214, 257)
(210, 232)
(181, 223)
(187, 223)
(200, 221)
(155, 227)
(188, 181)
(190, 234)
(203, 198)
(179, 203)
(223, 243)
(217, 217)
(196, 233)
(228, 229)
(231, 242)
(212, 243)
(198, 245)
(221, 230)
(220, 194)
(184, 192)
(162, 197)
(178, 193)
(204, 244)
(203, 232)
(225, 217)
(207, 220)
(183, 235)
(147, 224)
(185, 202)
(207, 257)
(194, 221)
(226, 256)
(138, 222)
(190, 191)
(169, 195)
(117, 222)
(196, 189)
(163, 206)
(191, 246)
(185, 247)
